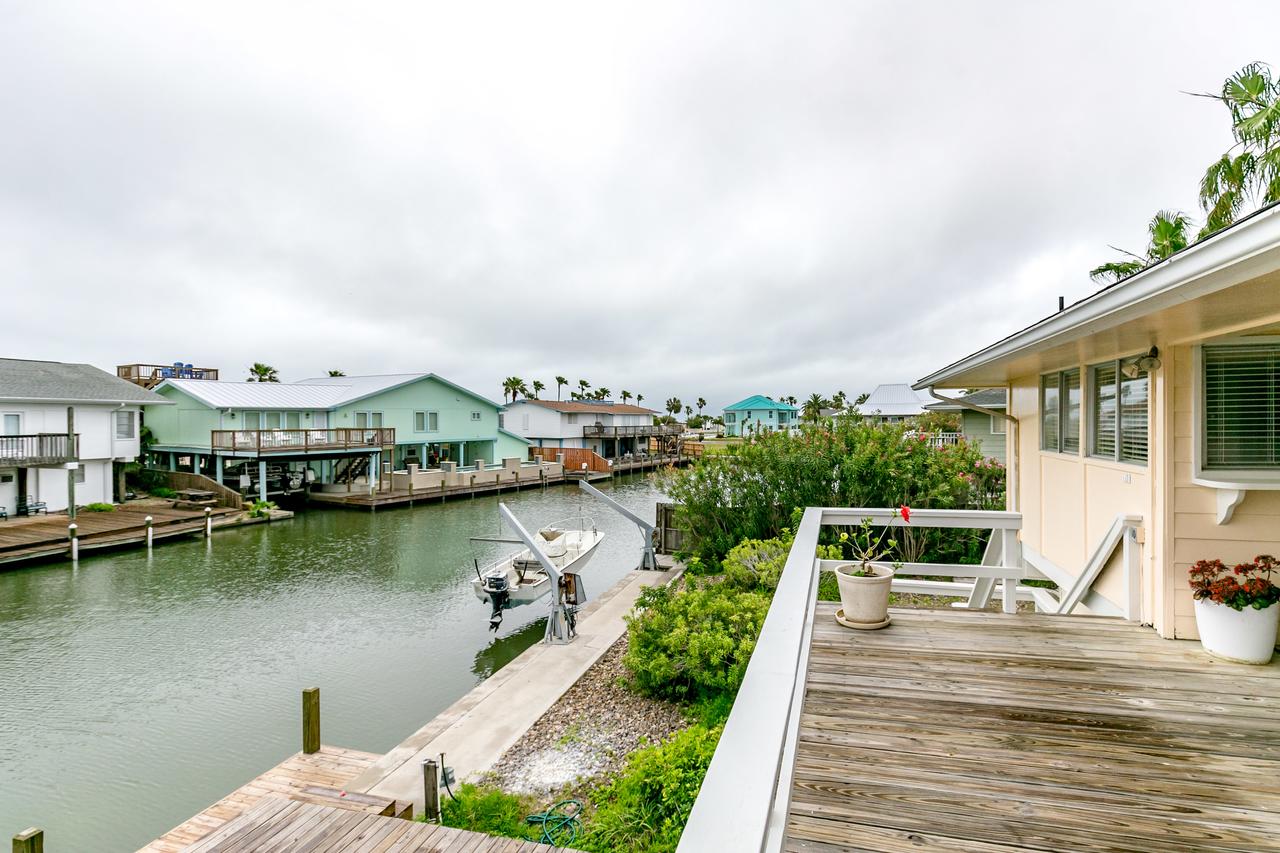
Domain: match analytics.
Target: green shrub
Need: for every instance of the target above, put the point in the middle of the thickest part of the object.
(486, 810)
(261, 509)
(99, 507)
(756, 564)
(645, 809)
(750, 491)
(694, 643)
(146, 479)
(163, 492)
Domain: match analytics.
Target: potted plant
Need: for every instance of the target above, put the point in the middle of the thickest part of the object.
(864, 584)
(1237, 609)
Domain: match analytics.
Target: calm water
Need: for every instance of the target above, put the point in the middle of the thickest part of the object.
(135, 690)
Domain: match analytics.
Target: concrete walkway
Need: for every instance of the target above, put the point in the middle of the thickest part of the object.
(476, 730)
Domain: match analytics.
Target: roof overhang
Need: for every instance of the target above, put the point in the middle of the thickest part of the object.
(1215, 286)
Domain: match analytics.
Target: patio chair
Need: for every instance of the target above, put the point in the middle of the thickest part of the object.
(4, 514)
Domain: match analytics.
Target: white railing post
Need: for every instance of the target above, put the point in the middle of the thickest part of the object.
(1010, 558)
(1132, 575)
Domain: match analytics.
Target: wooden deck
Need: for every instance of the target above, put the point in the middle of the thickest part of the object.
(302, 777)
(45, 536)
(986, 732)
(287, 826)
(404, 497)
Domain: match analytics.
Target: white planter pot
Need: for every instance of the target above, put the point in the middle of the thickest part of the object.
(1244, 636)
(864, 600)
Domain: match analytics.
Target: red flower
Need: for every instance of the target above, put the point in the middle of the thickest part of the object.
(906, 513)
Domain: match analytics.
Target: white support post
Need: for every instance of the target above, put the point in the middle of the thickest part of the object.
(1011, 558)
(150, 532)
(262, 480)
(1132, 575)
(74, 535)
(208, 522)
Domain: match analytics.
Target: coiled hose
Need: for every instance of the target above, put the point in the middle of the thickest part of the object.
(558, 825)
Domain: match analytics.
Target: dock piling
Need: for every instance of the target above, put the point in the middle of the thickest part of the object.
(208, 522)
(29, 841)
(431, 789)
(74, 537)
(311, 720)
(150, 532)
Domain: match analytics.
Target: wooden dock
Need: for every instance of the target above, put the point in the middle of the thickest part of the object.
(42, 537)
(302, 804)
(287, 826)
(991, 733)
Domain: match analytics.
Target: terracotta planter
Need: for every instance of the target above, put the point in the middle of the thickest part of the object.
(1243, 636)
(865, 601)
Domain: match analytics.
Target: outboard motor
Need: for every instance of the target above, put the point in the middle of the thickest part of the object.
(499, 592)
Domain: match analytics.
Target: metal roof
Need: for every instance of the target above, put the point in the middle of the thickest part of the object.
(601, 407)
(23, 379)
(322, 392)
(759, 401)
(893, 401)
(260, 395)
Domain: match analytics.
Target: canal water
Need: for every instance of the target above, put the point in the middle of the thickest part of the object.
(137, 689)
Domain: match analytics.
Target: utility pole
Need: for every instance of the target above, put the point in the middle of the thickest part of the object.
(74, 456)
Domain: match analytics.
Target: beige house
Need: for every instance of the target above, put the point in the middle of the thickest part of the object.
(1144, 426)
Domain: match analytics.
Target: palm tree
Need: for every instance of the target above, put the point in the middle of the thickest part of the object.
(602, 393)
(688, 412)
(813, 407)
(674, 405)
(625, 395)
(513, 386)
(839, 399)
(1252, 97)
(702, 404)
(560, 380)
(537, 387)
(1168, 232)
(862, 398)
(583, 385)
(262, 373)
(336, 373)
(639, 399)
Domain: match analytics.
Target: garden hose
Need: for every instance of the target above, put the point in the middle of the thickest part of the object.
(559, 827)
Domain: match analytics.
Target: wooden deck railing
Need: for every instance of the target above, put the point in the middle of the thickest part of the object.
(44, 448)
(746, 795)
(151, 375)
(574, 458)
(602, 431)
(301, 440)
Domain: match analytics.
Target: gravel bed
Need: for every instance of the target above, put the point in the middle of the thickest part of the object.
(588, 733)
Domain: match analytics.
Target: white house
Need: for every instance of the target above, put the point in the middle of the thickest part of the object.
(892, 404)
(610, 429)
(35, 455)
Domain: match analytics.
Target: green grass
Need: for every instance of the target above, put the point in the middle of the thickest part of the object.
(163, 492)
(99, 507)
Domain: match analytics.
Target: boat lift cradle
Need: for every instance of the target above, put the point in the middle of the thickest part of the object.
(649, 558)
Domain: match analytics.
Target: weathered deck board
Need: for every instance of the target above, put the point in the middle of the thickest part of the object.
(288, 826)
(992, 732)
(301, 777)
(39, 536)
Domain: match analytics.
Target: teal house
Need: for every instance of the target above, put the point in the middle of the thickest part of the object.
(758, 414)
(281, 437)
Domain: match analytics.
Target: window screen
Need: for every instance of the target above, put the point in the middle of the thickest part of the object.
(1241, 406)
(1102, 410)
(1050, 412)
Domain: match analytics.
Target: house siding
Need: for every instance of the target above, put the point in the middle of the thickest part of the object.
(977, 430)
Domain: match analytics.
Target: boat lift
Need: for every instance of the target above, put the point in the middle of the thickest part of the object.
(649, 558)
(560, 621)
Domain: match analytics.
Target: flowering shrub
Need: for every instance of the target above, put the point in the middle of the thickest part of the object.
(1245, 585)
(869, 546)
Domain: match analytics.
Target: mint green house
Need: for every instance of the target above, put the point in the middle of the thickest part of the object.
(758, 414)
(328, 430)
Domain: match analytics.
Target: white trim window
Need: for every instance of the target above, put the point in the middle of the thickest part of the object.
(125, 424)
(997, 425)
(368, 420)
(12, 424)
(80, 473)
(475, 416)
(1119, 394)
(1059, 412)
(426, 421)
(1240, 421)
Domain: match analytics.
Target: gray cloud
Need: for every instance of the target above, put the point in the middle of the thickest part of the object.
(693, 199)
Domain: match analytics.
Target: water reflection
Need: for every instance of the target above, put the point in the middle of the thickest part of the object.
(502, 650)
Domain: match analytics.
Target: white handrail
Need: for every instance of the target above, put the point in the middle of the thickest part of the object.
(746, 795)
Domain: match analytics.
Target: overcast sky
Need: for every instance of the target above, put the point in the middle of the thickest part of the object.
(688, 198)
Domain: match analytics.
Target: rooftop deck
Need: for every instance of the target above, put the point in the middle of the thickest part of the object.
(971, 730)
(993, 732)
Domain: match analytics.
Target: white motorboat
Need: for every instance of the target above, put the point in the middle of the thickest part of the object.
(519, 578)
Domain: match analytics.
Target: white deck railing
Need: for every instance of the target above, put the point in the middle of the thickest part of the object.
(746, 795)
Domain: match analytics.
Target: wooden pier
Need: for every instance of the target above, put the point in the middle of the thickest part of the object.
(44, 537)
